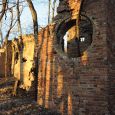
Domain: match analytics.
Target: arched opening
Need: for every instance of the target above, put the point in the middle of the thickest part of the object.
(66, 36)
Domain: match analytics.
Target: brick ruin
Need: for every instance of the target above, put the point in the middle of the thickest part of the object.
(2, 59)
(22, 60)
(79, 84)
(76, 76)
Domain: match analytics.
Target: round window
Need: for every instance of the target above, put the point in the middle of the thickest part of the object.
(67, 40)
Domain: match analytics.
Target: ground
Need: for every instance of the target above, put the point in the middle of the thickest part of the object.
(19, 105)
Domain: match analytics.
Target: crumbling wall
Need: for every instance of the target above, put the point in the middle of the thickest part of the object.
(23, 61)
(45, 72)
(76, 86)
(28, 60)
(3, 58)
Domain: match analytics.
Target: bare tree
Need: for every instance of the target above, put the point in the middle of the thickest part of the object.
(6, 41)
(18, 18)
(4, 5)
(34, 17)
(35, 25)
(49, 8)
(1, 35)
(53, 9)
(20, 50)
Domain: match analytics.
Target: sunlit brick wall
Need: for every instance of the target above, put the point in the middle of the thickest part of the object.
(23, 62)
(45, 72)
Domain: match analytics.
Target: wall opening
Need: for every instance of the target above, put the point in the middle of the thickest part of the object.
(66, 37)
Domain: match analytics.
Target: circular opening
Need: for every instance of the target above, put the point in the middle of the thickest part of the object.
(67, 40)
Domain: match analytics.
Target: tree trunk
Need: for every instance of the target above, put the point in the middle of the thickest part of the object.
(1, 35)
(20, 48)
(4, 4)
(34, 17)
(6, 41)
(18, 18)
(36, 57)
(49, 11)
(53, 9)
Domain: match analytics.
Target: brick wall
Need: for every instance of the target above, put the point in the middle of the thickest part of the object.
(111, 54)
(83, 85)
(2, 64)
(22, 65)
(45, 72)
(2, 60)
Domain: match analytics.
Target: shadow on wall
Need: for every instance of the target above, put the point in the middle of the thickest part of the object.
(57, 82)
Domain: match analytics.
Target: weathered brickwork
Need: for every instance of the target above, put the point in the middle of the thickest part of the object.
(82, 85)
(3, 58)
(23, 61)
(70, 81)
(2, 63)
(111, 54)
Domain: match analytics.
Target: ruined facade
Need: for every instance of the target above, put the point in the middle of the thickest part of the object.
(23, 61)
(80, 84)
(75, 75)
